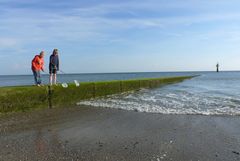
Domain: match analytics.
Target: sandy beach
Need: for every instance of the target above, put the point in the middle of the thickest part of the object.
(101, 134)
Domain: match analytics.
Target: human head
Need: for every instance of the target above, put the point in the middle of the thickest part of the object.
(55, 52)
(41, 54)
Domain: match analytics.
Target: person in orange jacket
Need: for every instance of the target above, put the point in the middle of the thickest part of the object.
(37, 67)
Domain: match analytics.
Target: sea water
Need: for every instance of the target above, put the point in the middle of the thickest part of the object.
(17, 80)
(209, 94)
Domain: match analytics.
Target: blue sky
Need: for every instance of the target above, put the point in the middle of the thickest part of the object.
(121, 36)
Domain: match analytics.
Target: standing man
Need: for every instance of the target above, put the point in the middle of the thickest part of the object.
(53, 67)
(37, 67)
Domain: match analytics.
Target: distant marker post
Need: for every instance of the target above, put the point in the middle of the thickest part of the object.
(217, 67)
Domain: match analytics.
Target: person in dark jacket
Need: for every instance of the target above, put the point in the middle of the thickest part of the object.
(53, 67)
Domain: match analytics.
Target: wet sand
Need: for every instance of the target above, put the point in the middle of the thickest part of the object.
(100, 134)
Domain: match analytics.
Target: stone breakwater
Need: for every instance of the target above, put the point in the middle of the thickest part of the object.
(22, 98)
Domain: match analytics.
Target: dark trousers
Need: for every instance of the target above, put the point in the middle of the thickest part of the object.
(37, 77)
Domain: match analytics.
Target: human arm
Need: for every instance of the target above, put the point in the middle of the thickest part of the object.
(42, 64)
(57, 63)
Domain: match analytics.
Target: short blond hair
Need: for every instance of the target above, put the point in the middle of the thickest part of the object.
(41, 53)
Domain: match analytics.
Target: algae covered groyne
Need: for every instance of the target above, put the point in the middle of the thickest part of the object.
(27, 97)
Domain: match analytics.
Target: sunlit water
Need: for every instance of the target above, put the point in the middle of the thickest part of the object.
(16, 80)
(209, 94)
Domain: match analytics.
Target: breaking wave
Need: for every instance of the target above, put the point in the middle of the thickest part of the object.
(199, 96)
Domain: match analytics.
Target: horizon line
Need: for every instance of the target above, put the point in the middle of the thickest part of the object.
(126, 72)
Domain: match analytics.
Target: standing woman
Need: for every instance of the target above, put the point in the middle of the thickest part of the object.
(53, 67)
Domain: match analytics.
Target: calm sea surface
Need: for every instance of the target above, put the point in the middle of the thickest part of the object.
(209, 94)
(67, 78)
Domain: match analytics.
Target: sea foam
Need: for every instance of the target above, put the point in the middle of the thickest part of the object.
(199, 96)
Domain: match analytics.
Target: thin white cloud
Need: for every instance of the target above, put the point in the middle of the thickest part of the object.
(35, 27)
(7, 42)
(23, 30)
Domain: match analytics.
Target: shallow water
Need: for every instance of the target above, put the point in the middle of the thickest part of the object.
(209, 94)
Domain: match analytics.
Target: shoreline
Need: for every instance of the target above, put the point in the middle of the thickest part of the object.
(91, 133)
(23, 98)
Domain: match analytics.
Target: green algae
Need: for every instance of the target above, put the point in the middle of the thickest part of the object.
(23, 98)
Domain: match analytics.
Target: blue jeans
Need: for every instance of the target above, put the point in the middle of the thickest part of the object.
(37, 77)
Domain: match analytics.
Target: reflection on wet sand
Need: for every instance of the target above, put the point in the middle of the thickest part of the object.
(48, 143)
(98, 134)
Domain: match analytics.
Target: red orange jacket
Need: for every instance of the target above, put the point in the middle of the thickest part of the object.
(37, 63)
